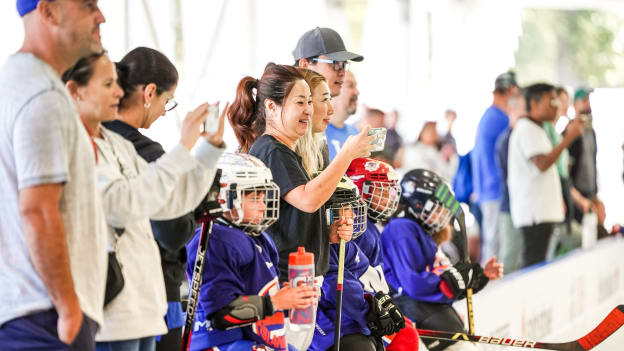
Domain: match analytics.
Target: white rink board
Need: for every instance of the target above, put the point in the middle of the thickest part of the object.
(557, 302)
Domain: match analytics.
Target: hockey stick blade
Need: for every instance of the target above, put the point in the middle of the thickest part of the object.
(608, 326)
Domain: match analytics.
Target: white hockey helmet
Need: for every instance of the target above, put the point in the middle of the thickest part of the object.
(241, 175)
(346, 202)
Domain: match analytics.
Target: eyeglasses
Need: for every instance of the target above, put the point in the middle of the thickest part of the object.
(338, 65)
(170, 105)
(555, 102)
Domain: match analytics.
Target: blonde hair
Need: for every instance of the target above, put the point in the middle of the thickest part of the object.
(310, 146)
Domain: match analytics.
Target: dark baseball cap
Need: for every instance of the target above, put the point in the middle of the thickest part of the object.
(323, 41)
(25, 6)
(505, 81)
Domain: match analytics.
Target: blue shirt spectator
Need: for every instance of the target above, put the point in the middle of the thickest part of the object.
(502, 155)
(337, 136)
(486, 177)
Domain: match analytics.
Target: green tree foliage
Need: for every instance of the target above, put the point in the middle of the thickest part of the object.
(571, 48)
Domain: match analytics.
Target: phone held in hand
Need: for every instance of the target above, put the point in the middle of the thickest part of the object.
(586, 118)
(211, 124)
(380, 138)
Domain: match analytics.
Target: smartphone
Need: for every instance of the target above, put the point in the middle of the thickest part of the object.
(211, 124)
(586, 118)
(380, 138)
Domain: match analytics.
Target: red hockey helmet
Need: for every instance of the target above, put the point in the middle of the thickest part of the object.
(378, 184)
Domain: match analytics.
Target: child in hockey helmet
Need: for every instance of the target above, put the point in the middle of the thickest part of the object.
(241, 303)
(248, 197)
(425, 282)
(345, 208)
(378, 185)
(379, 188)
(364, 320)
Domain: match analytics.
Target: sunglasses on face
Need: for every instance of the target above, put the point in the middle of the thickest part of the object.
(338, 65)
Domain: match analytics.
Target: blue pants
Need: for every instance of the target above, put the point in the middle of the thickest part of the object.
(38, 332)
(143, 344)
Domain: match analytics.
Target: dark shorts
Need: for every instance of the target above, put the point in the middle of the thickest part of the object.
(38, 332)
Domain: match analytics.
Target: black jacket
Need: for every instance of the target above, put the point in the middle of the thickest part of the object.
(171, 235)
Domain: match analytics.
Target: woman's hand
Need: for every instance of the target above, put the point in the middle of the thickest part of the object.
(191, 125)
(360, 145)
(341, 229)
(216, 138)
(299, 297)
(493, 269)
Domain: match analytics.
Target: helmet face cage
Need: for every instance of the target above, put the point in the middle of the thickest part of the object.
(436, 211)
(381, 197)
(354, 209)
(253, 208)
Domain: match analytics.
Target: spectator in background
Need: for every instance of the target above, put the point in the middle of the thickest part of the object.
(535, 195)
(511, 245)
(485, 175)
(345, 105)
(52, 231)
(559, 242)
(583, 172)
(425, 154)
(372, 117)
(393, 150)
(448, 139)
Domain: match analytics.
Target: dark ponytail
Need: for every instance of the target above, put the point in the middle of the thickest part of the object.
(246, 114)
(82, 71)
(143, 66)
(246, 118)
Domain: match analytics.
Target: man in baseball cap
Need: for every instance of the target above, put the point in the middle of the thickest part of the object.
(486, 178)
(323, 51)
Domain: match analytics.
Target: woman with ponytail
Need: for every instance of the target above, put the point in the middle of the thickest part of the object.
(134, 191)
(269, 116)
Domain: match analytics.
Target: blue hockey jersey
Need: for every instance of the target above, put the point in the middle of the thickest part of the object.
(410, 265)
(236, 264)
(354, 306)
(370, 245)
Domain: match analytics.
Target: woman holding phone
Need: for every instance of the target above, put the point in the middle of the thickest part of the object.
(267, 123)
(142, 74)
(134, 191)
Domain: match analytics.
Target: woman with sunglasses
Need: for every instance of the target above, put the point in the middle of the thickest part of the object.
(134, 191)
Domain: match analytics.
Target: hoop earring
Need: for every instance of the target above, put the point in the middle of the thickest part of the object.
(147, 105)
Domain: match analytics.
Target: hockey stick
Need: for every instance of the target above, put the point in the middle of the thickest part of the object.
(608, 326)
(205, 213)
(459, 216)
(340, 279)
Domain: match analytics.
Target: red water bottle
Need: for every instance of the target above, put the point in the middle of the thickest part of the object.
(301, 273)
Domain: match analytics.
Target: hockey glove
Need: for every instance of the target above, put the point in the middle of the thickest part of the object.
(479, 279)
(458, 279)
(383, 317)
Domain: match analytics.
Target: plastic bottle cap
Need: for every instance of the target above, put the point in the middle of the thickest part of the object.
(301, 257)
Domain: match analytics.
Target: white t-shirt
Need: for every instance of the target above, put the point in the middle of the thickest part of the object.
(534, 196)
(42, 141)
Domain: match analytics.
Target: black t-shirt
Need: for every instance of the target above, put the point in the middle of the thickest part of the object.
(294, 227)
